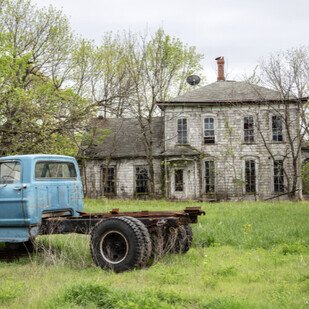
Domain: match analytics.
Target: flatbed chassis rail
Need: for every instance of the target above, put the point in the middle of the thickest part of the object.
(151, 219)
(122, 241)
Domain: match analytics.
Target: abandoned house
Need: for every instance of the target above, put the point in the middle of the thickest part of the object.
(226, 140)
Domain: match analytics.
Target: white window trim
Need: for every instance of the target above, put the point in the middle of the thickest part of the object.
(188, 131)
(215, 128)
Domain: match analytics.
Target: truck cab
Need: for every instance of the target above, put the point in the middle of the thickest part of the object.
(33, 187)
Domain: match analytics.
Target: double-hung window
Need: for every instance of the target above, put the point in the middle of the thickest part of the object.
(277, 135)
(209, 130)
(278, 176)
(182, 131)
(250, 176)
(209, 177)
(109, 177)
(248, 129)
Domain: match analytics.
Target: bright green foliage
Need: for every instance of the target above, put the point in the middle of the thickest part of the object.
(52, 82)
(37, 114)
(257, 257)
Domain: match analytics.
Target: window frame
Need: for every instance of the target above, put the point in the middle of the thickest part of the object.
(103, 184)
(272, 129)
(182, 180)
(135, 179)
(274, 176)
(21, 171)
(214, 129)
(244, 130)
(214, 177)
(255, 176)
(56, 178)
(182, 142)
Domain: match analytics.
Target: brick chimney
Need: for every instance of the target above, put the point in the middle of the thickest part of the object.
(220, 63)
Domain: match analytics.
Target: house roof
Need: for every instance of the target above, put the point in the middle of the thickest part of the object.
(125, 139)
(227, 91)
(181, 150)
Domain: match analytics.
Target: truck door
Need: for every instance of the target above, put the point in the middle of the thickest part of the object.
(12, 211)
(56, 183)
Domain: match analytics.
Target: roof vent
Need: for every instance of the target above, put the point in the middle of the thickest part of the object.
(220, 63)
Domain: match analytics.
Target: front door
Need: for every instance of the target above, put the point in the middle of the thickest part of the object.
(12, 212)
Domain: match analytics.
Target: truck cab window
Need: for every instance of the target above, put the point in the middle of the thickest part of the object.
(9, 172)
(59, 170)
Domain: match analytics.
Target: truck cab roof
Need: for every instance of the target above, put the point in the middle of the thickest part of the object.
(37, 156)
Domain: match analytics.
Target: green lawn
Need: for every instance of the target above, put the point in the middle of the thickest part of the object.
(244, 255)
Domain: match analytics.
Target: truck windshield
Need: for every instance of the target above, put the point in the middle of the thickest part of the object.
(9, 172)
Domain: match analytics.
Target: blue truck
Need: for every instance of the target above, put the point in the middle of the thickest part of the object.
(42, 194)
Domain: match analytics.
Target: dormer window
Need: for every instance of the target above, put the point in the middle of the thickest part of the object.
(209, 130)
(182, 131)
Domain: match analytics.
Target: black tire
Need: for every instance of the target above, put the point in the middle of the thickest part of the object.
(170, 239)
(163, 242)
(117, 244)
(184, 239)
(189, 238)
(22, 247)
(157, 242)
(146, 239)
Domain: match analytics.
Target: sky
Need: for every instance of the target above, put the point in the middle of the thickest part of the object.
(243, 31)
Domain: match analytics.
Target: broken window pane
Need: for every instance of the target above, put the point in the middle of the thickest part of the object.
(141, 179)
(248, 129)
(109, 180)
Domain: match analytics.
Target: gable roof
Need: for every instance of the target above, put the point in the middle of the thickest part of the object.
(125, 139)
(227, 91)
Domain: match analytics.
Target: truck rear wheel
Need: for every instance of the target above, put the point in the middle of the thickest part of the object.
(117, 244)
(147, 248)
(184, 239)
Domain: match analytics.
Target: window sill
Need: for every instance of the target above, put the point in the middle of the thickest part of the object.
(279, 193)
(247, 143)
(275, 142)
(187, 144)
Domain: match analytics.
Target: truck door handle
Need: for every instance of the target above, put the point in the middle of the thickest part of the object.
(20, 187)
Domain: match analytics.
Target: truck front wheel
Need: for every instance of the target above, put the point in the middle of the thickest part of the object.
(117, 244)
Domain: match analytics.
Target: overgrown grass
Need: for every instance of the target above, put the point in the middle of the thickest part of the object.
(244, 255)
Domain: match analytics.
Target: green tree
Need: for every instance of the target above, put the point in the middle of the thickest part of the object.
(37, 112)
(158, 68)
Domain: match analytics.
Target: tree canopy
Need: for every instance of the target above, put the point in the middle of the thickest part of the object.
(52, 82)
